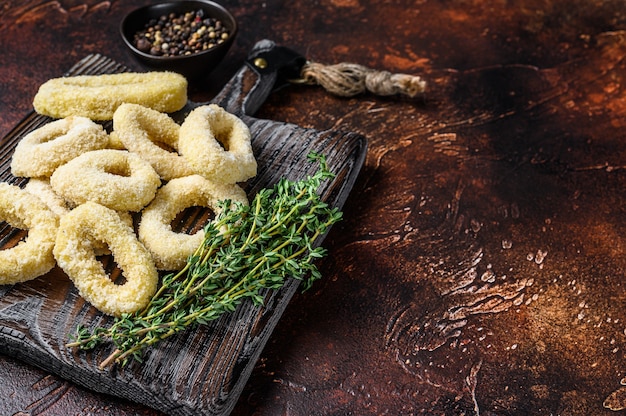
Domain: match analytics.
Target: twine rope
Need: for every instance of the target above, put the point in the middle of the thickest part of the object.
(348, 79)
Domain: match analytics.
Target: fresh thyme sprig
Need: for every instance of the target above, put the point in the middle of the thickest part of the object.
(246, 250)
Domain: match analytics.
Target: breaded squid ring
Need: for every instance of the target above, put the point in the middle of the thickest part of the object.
(141, 130)
(169, 249)
(98, 96)
(117, 179)
(41, 188)
(44, 149)
(33, 257)
(217, 145)
(115, 142)
(74, 253)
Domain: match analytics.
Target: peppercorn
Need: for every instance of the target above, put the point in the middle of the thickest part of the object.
(183, 34)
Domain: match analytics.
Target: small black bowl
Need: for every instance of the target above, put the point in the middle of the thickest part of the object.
(192, 66)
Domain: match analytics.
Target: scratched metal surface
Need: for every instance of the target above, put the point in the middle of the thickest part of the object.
(481, 266)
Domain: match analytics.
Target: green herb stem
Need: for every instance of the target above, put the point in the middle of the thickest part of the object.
(247, 249)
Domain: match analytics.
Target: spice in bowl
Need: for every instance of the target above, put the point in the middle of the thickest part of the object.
(180, 34)
(190, 37)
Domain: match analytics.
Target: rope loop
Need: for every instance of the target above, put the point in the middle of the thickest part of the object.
(348, 79)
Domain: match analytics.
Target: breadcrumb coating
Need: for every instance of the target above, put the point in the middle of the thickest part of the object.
(41, 188)
(150, 134)
(43, 150)
(117, 179)
(170, 249)
(98, 96)
(74, 252)
(32, 257)
(217, 145)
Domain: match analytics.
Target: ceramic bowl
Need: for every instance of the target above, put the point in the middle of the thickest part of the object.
(193, 66)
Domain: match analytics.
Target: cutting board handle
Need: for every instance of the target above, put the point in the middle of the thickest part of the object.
(267, 68)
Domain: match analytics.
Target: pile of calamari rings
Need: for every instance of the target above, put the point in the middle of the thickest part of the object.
(92, 192)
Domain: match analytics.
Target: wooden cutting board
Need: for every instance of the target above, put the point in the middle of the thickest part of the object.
(199, 372)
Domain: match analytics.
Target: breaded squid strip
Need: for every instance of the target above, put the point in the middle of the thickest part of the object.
(98, 96)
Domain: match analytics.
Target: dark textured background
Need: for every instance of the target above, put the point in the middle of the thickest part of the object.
(481, 264)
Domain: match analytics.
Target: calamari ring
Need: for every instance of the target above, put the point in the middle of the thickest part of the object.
(44, 149)
(98, 96)
(141, 130)
(115, 142)
(41, 188)
(169, 249)
(100, 247)
(74, 253)
(33, 257)
(117, 179)
(217, 145)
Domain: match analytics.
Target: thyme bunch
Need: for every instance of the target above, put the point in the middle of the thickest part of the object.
(247, 249)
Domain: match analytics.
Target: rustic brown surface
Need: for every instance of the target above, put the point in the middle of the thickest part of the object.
(480, 267)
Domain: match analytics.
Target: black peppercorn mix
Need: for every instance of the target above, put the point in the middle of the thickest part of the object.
(178, 35)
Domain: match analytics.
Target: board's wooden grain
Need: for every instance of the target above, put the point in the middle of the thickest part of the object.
(200, 372)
